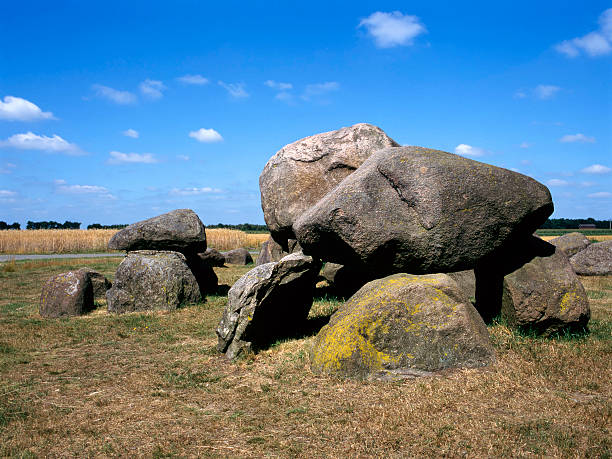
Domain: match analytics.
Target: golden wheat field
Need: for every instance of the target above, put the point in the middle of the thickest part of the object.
(83, 241)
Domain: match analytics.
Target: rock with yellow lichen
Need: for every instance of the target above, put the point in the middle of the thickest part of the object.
(266, 304)
(545, 295)
(403, 325)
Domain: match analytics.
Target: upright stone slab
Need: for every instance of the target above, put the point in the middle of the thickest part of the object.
(180, 230)
(272, 251)
(545, 296)
(300, 174)
(417, 210)
(403, 325)
(149, 280)
(66, 294)
(99, 283)
(269, 302)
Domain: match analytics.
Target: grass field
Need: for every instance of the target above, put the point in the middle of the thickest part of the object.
(153, 385)
(96, 241)
(598, 235)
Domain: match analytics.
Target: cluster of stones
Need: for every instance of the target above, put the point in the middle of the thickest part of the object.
(166, 266)
(429, 244)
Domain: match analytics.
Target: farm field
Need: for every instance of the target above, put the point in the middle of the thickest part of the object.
(96, 240)
(153, 385)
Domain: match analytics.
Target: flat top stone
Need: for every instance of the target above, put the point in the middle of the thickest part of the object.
(180, 230)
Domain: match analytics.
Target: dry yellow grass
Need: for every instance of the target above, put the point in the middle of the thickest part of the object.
(595, 238)
(83, 241)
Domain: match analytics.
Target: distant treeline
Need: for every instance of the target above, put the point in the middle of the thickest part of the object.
(6, 226)
(572, 223)
(98, 226)
(246, 227)
(53, 225)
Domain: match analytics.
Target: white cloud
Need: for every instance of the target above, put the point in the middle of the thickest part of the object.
(600, 194)
(183, 157)
(278, 85)
(284, 96)
(577, 138)
(193, 79)
(593, 44)
(524, 145)
(520, 94)
(131, 133)
(392, 29)
(596, 169)
(114, 95)
(62, 187)
(116, 157)
(152, 88)
(206, 135)
(468, 150)
(18, 109)
(7, 168)
(7, 193)
(319, 89)
(546, 91)
(587, 184)
(31, 141)
(557, 182)
(194, 191)
(235, 90)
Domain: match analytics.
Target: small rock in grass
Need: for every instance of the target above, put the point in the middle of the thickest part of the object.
(595, 260)
(67, 294)
(571, 243)
(239, 256)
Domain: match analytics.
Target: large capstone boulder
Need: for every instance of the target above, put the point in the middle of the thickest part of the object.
(403, 325)
(99, 282)
(571, 243)
(301, 173)
(152, 280)
(416, 210)
(66, 294)
(180, 230)
(272, 251)
(269, 302)
(545, 296)
(595, 260)
(240, 256)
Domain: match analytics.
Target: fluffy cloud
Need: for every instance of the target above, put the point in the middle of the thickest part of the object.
(183, 157)
(193, 79)
(194, 191)
(392, 29)
(557, 182)
(236, 90)
(114, 95)
(131, 133)
(63, 187)
(116, 157)
(524, 145)
(206, 135)
(7, 168)
(18, 109)
(468, 150)
(319, 89)
(278, 85)
(546, 91)
(577, 138)
(31, 141)
(600, 194)
(152, 89)
(596, 169)
(7, 193)
(593, 44)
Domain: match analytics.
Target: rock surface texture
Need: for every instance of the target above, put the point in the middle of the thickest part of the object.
(99, 283)
(403, 325)
(466, 281)
(239, 256)
(266, 303)
(272, 251)
(67, 294)
(180, 230)
(571, 243)
(301, 173)
(212, 257)
(152, 280)
(545, 296)
(595, 260)
(416, 210)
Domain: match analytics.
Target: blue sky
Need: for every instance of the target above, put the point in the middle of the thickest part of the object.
(112, 112)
